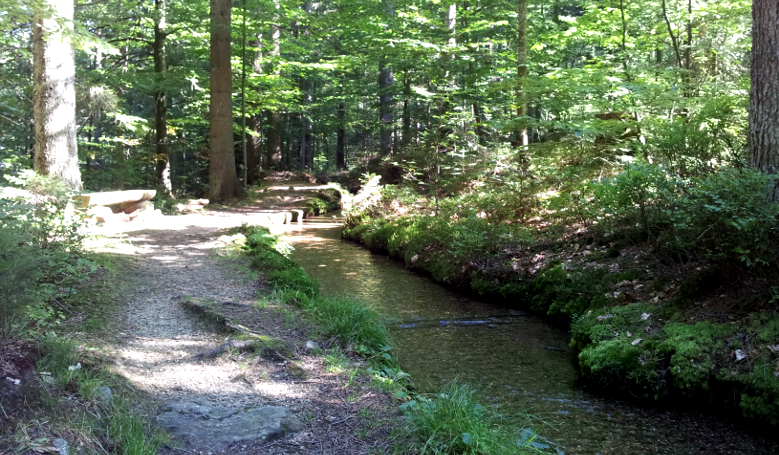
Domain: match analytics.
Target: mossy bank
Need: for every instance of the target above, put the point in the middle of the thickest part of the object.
(663, 306)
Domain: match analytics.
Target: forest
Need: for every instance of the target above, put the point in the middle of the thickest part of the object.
(606, 166)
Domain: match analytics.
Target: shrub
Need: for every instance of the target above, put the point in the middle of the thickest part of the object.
(726, 218)
(634, 199)
(40, 240)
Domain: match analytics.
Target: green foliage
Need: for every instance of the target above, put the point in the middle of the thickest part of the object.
(40, 240)
(324, 202)
(560, 292)
(761, 392)
(635, 198)
(726, 218)
(454, 422)
(348, 319)
(351, 321)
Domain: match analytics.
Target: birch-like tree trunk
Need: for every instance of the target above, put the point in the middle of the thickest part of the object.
(764, 93)
(54, 94)
(222, 177)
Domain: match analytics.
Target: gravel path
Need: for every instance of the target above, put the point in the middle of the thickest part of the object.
(177, 258)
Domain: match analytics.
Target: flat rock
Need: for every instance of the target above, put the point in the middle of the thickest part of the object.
(216, 428)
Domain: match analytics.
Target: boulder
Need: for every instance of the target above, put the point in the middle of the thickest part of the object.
(216, 428)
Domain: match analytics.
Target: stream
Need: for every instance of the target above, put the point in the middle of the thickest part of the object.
(516, 360)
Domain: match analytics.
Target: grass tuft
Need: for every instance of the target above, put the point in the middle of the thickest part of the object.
(453, 421)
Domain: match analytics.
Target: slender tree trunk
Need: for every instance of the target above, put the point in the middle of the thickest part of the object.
(243, 94)
(406, 131)
(223, 179)
(386, 81)
(273, 140)
(340, 148)
(306, 153)
(253, 148)
(274, 132)
(520, 133)
(764, 93)
(161, 158)
(54, 95)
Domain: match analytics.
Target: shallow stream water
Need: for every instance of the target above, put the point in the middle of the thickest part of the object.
(517, 361)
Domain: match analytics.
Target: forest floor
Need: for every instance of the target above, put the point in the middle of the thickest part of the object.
(177, 260)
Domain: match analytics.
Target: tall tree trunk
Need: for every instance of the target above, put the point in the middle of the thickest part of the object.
(764, 93)
(274, 132)
(386, 81)
(223, 179)
(161, 158)
(273, 140)
(54, 95)
(244, 150)
(520, 132)
(340, 148)
(406, 131)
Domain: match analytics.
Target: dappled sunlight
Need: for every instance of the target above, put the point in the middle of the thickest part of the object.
(280, 389)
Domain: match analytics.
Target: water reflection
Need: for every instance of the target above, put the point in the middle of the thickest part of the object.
(518, 361)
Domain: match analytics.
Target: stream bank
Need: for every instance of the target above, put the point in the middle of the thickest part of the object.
(518, 360)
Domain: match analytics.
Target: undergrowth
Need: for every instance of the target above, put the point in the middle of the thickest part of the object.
(351, 321)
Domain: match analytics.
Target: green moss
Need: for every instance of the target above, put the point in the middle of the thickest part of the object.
(618, 365)
(692, 350)
(761, 393)
(565, 293)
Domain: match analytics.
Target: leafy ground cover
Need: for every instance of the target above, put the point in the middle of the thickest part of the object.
(666, 282)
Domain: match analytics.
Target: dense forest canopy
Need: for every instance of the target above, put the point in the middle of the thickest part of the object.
(438, 85)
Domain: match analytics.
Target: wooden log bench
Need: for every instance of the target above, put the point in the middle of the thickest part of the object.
(117, 205)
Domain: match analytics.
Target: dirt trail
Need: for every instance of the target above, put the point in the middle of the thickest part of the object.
(176, 258)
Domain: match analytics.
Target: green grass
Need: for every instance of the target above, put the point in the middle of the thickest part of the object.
(72, 403)
(453, 421)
